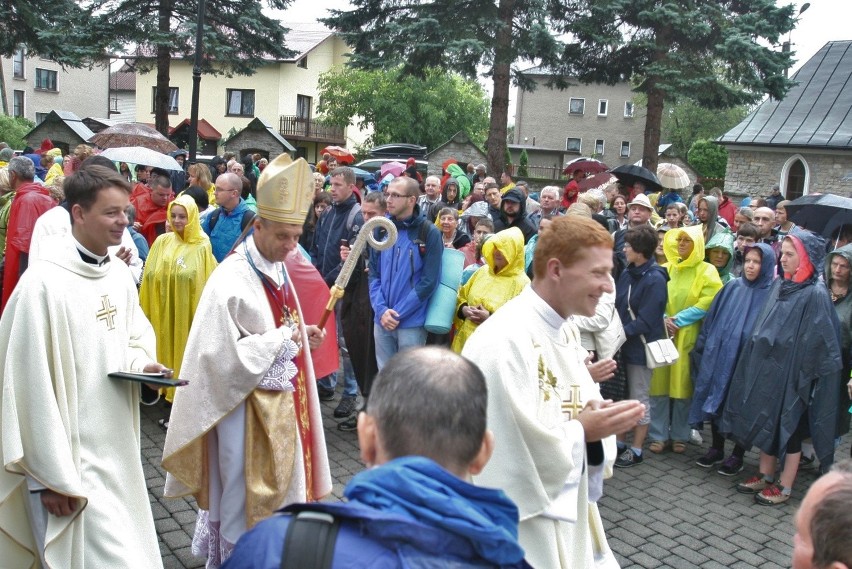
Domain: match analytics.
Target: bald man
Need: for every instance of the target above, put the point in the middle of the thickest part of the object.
(823, 537)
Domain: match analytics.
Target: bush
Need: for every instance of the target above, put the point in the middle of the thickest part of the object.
(13, 130)
(708, 159)
(523, 162)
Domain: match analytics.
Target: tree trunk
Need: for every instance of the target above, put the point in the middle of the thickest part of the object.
(3, 89)
(650, 154)
(161, 96)
(496, 143)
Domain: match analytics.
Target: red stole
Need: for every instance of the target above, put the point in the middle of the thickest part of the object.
(277, 300)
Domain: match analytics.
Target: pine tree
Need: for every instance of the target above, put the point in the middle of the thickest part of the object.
(523, 162)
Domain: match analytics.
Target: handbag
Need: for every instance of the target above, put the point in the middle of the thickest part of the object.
(659, 353)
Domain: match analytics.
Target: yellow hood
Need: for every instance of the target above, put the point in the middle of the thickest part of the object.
(192, 233)
(694, 232)
(510, 242)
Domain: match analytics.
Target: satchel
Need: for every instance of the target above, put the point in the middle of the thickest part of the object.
(659, 353)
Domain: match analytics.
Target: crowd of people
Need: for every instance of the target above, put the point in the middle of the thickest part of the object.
(493, 439)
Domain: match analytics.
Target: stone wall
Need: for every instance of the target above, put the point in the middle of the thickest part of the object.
(463, 152)
(754, 171)
(59, 134)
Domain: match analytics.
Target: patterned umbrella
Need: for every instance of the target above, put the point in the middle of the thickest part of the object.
(132, 134)
(596, 181)
(672, 176)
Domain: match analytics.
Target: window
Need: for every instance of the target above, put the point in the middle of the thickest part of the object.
(45, 80)
(241, 102)
(603, 107)
(303, 63)
(173, 100)
(625, 148)
(599, 147)
(573, 145)
(18, 63)
(303, 107)
(40, 117)
(628, 109)
(576, 106)
(18, 104)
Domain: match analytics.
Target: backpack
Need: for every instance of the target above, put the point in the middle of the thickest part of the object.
(248, 216)
(309, 541)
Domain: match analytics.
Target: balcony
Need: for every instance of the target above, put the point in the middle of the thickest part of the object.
(295, 128)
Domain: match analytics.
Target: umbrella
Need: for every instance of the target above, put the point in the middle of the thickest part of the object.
(820, 213)
(587, 165)
(141, 155)
(630, 174)
(132, 134)
(596, 181)
(395, 168)
(368, 177)
(672, 176)
(340, 154)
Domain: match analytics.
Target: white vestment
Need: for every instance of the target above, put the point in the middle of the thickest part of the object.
(531, 357)
(57, 221)
(234, 347)
(64, 423)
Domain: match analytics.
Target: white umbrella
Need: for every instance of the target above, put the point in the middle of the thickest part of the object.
(672, 176)
(141, 155)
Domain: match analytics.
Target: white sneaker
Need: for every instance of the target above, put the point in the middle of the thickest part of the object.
(696, 438)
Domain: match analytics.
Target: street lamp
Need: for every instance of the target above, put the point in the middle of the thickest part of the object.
(785, 47)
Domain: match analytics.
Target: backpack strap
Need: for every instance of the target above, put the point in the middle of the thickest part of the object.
(309, 542)
(214, 217)
(248, 216)
(350, 219)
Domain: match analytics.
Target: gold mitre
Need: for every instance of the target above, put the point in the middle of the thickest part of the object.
(285, 190)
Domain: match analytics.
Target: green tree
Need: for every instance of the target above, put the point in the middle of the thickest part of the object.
(404, 108)
(686, 121)
(13, 129)
(238, 37)
(523, 162)
(708, 159)
(461, 37)
(714, 52)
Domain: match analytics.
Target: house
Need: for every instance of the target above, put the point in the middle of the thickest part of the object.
(284, 92)
(64, 129)
(803, 142)
(33, 87)
(459, 147)
(555, 126)
(122, 95)
(259, 137)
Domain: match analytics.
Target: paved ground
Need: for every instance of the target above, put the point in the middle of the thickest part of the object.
(664, 513)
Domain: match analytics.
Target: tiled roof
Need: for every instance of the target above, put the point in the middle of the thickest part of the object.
(816, 113)
(122, 80)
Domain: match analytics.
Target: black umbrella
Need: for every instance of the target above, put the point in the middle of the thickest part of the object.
(820, 213)
(630, 174)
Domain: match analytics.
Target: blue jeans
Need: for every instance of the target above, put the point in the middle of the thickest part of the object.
(350, 385)
(390, 342)
(669, 419)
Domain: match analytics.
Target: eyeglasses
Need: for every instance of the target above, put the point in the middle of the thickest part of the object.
(225, 190)
(394, 195)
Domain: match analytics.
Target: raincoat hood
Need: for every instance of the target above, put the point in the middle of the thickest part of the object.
(192, 233)
(768, 264)
(814, 246)
(694, 232)
(845, 252)
(712, 207)
(518, 196)
(510, 242)
(723, 240)
(456, 172)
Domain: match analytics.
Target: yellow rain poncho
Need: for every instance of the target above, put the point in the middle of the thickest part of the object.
(175, 274)
(693, 284)
(489, 289)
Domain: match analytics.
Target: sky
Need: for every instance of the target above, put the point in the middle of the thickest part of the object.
(823, 21)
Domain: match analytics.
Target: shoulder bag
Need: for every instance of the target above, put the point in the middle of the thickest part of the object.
(659, 353)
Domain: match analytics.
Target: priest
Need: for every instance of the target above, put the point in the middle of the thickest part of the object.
(553, 434)
(72, 489)
(245, 437)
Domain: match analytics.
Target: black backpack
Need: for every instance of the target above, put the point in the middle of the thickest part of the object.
(248, 215)
(309, 542)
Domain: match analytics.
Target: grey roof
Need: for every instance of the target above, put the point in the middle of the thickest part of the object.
(259, 124)
(816, 113)
(71, 120)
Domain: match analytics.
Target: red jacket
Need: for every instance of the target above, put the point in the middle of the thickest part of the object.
(30, 201)
(569, 196)
(727, 210)
(151, 216)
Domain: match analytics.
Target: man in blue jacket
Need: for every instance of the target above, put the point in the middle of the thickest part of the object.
(403, 277)
(413, 506)
(334, 224)
(224, 226)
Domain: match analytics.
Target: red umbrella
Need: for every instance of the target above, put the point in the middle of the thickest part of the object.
(340, 154)
(587, 165)
(600, 181)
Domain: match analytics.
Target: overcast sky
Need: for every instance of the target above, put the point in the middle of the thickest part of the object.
(823, 21)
